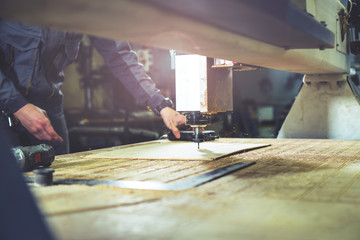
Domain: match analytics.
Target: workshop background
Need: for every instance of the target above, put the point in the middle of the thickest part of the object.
(100, 112)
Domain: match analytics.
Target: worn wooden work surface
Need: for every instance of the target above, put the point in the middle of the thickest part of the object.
(298, 189)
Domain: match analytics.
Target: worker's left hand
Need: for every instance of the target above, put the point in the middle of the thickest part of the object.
(37, 122)
(172, 119)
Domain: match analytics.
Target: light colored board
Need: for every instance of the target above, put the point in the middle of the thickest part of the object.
(177, 151)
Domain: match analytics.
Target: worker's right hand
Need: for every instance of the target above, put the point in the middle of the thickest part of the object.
(36, 121)
(172, 119)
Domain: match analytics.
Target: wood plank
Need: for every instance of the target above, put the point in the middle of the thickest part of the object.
(185, 151)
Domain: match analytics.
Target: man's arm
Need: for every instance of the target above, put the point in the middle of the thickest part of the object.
(13, 58)
(124, 65)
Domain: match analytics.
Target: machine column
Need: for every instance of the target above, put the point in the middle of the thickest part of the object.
(326, 107)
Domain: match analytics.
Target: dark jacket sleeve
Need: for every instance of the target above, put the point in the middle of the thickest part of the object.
(18, 53)
(11, 99)
(124, 65)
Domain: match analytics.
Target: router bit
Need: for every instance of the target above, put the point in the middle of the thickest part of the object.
(198, 137)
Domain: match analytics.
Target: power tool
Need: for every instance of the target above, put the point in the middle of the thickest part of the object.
(197, 121)
(31, 157)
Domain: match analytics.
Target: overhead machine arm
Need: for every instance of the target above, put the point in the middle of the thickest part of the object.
(300, 36)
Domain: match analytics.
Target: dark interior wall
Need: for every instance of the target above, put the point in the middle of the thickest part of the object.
(266, 86)
(262, 99)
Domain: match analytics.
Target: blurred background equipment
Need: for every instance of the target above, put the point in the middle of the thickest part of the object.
(105, 114)
(100, 112)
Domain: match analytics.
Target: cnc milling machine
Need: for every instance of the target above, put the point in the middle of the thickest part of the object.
(301, 36)
(308, 37)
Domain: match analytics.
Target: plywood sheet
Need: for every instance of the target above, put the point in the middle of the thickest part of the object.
(159, 150)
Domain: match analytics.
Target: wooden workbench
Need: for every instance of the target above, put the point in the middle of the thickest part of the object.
(298, 189)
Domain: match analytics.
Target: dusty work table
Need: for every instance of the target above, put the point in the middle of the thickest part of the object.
(298, 189)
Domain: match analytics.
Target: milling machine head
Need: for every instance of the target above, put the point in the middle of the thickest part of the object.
(197, 121)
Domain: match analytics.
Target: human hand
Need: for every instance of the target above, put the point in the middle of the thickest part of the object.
(36, 121)
(172, 119)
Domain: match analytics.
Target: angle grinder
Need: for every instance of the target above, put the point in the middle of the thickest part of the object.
(31, 157)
